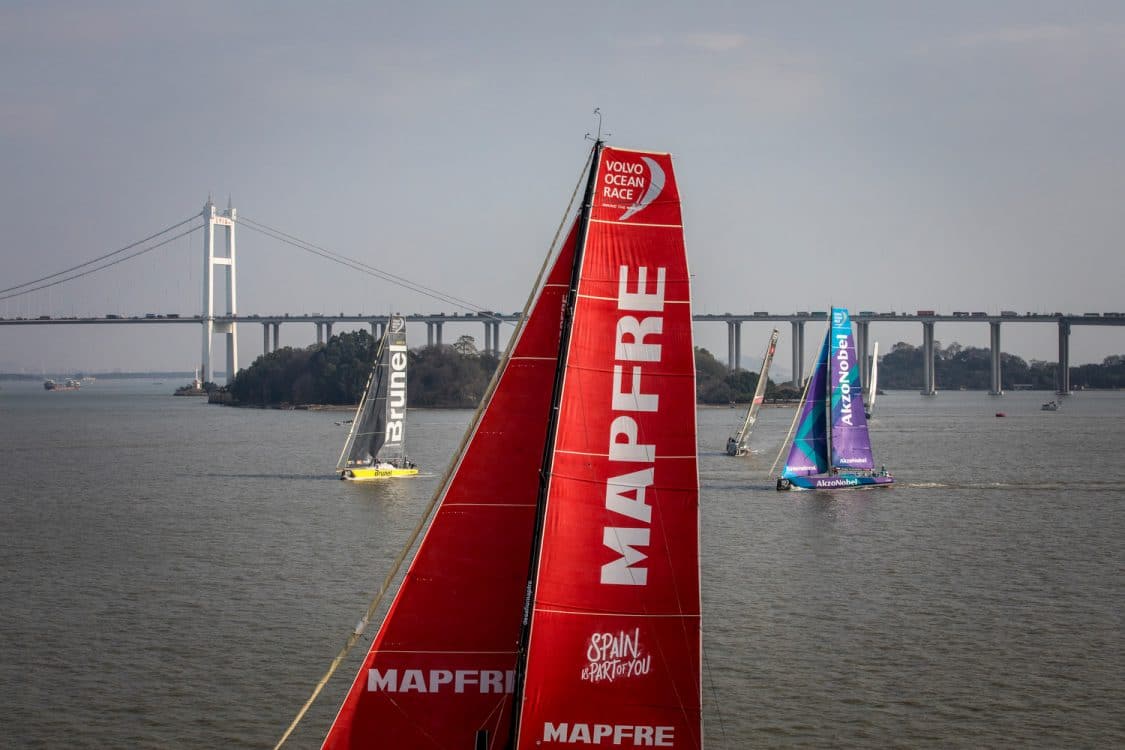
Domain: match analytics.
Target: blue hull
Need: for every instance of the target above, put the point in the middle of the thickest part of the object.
(835, 482)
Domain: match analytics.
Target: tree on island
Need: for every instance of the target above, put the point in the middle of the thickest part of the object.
(715, 385)
(456, 376)
(961, 367)
(336, 373)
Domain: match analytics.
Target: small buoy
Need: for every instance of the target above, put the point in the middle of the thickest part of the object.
(1001, 414)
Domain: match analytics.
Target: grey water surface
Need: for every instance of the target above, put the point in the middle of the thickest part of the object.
(177, 575)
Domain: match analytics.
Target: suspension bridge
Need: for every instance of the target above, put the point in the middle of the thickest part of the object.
(220, 317)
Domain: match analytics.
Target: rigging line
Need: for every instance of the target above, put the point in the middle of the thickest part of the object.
(789, 434)
(162, 243)
(103, 257)
(446, 477)
(339, 257)
(715, 694)
(400, 559)
(363, 268)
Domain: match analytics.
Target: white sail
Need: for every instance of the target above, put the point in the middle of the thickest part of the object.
(738, 443)
(873, 381)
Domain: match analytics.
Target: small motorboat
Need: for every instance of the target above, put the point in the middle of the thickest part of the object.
(1050, 406)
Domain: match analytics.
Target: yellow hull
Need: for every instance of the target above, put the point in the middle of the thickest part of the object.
(360, 473)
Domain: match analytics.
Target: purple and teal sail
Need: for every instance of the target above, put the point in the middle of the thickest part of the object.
(851, 445)
(809, 453)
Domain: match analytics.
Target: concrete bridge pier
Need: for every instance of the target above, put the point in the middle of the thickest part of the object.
(1062, 380)
(862, 354)
(276, 336)
(997, 388)
(265, 338)
(737, 345)
(798, 352)
(327, 331)
(734, 344)
(319, 333)
(929, 387)
(492, 337)
(378, 329)
(433, 333)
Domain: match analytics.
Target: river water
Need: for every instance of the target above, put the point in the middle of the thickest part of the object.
(177, 575)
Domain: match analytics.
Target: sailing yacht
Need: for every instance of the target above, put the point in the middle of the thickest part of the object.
(376, 444)
(556, 603)
(831, 448)
(738, 443)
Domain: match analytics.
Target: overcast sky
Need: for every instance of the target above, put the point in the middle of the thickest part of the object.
(876, 155)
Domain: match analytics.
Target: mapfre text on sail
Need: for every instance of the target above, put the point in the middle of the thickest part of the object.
(636, 343)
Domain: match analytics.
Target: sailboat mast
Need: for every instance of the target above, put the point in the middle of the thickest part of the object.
(828, 393)
(549, 446)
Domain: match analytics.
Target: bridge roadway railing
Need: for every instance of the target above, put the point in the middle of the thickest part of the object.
(491, 321)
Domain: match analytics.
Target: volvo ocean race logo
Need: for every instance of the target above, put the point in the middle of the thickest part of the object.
(624, 185)
(610, 656)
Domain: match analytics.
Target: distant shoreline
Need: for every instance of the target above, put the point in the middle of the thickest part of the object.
(99, 375)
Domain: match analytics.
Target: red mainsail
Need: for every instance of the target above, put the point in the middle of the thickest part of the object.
(611, 655)
(614, 650)
(442, 666)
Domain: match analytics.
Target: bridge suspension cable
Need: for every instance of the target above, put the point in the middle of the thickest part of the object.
(45, 282)
(358, 265)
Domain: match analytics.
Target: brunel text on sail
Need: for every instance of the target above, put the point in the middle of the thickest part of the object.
(396, 393)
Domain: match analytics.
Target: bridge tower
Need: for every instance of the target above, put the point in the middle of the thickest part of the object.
(211, 219)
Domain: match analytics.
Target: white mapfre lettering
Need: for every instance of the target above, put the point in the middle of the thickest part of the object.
(627, 735)
(641, 299)
(624, 541)
(617, 491)
(440, 681)
(636, 341)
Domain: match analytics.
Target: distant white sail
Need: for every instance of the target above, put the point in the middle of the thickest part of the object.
(738, 443)
(873, 382)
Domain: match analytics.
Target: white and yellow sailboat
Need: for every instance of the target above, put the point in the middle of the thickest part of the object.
(376, 444)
